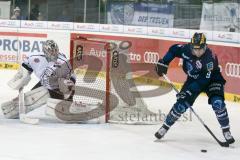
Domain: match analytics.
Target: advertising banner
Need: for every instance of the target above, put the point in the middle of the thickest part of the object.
(220, 17)
(14, 45)
(60, 25)
(34, 24)
(142, 14)
(111, 28)
(9, 23)
(86, 27)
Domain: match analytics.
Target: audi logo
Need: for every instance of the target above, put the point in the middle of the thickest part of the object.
(151, 57)
(232, 70)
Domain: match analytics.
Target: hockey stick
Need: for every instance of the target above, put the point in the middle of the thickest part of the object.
(223, 144)
(22, 110)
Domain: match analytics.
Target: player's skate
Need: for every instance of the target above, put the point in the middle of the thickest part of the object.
(228, 136)
(161, 132)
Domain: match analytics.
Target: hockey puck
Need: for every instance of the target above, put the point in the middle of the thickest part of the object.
(203, 150)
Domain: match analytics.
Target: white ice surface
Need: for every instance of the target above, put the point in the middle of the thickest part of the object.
(51, 140)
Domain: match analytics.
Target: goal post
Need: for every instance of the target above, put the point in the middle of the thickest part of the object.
(91, 62)
(104, 80)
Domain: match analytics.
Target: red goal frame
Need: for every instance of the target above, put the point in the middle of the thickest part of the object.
(74, 40)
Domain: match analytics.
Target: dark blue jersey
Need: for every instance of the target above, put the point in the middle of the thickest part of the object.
(203, 69)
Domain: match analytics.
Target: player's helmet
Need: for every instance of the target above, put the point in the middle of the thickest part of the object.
(50, 49)
(198, 41)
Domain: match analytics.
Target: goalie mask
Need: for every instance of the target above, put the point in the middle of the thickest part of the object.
(50, 49)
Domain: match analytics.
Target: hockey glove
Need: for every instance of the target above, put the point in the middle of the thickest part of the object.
(65, 85)
(161, 68)
(20, 79)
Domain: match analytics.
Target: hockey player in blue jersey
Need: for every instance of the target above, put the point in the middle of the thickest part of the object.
(203, 75)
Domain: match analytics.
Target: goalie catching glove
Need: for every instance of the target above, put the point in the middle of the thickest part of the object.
(65, 85)
(161, 68)
(21, 79)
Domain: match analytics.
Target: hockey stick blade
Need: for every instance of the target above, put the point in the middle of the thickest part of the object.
(23, 118)
(223, 144)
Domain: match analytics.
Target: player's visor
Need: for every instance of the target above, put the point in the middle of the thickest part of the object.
(194, 46)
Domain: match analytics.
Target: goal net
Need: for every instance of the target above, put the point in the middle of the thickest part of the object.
(105, 82)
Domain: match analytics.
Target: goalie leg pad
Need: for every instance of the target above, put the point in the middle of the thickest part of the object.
(33, 99)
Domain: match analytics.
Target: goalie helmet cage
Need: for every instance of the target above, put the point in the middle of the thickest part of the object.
(104, 80)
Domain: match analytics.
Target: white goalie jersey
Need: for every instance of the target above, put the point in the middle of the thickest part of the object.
(49, 72)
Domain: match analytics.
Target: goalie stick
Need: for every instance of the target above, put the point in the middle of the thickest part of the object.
(22, 110)
(223, 144)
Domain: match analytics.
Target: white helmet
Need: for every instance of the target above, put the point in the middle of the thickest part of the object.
(50, 49)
